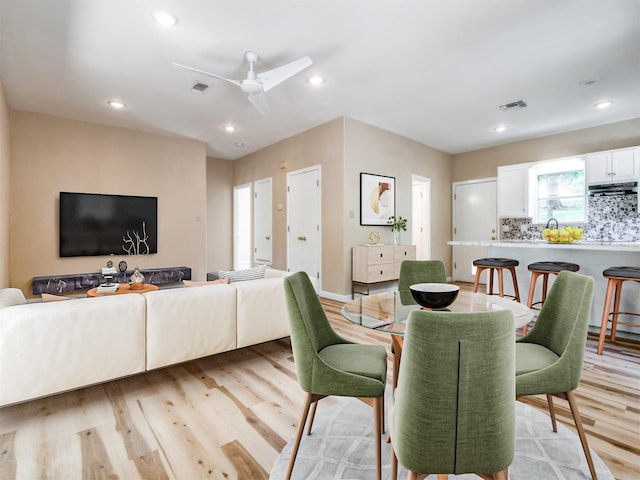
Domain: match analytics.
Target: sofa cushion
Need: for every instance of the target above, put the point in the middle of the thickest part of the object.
(11, 296)
(46, 348)
(243, 275)
(48, 297)
(188, 323)
(191, 283)
(262, 311)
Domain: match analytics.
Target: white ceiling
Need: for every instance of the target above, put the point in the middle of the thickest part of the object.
(432, 71)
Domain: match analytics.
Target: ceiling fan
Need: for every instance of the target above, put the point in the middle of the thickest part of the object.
(257, 83)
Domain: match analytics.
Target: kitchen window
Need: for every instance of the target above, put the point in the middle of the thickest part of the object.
(557, 190)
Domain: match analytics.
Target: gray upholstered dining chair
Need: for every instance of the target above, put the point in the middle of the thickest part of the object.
(454, 408)
(549, 357)
(327, 364)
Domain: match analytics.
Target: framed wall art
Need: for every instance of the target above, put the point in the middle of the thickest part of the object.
(377, 198)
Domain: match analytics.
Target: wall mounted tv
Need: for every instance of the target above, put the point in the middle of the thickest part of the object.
(95, 224)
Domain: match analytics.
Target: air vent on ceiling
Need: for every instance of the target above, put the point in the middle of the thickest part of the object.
(509, 106)
(199, 87)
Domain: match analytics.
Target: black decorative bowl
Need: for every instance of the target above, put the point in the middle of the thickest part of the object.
(434, 295)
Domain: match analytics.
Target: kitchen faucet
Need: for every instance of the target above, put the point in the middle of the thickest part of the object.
(549, 222)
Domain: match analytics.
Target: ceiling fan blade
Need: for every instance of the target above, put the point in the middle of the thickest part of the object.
(271, 78)
(235, 82)
(260, 102)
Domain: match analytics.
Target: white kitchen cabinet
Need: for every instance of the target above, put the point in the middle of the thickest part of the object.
(513, 187)
(613, 166)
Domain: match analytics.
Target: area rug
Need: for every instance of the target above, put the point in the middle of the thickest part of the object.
(341, 447)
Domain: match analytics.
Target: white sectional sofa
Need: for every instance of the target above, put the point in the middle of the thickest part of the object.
(51, 347)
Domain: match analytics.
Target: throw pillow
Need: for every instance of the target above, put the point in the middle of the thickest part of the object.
(191, 283)
(241, 275)
(11, 296)
(48, 297)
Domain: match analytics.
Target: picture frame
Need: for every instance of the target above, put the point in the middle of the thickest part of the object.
(377, 198)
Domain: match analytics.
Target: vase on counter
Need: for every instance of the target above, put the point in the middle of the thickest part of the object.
(136, 280)
(396, 237)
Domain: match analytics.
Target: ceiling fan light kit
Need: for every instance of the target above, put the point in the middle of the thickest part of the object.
(256, 84)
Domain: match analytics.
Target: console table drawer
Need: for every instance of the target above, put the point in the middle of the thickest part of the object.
(377, 255)
(380, 273)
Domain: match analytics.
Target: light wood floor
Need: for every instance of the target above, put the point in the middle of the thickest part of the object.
(229, 415)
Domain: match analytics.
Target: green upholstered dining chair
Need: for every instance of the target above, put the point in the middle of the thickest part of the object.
(549, 357)
(454, 408)
(420, 271)
(412, 272)
(327, 364)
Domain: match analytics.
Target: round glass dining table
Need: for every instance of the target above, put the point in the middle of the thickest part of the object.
(388, 311)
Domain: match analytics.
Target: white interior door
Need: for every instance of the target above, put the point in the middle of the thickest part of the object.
(474, 219)
(421, 217)
(303, 221)
(262, 222)
(242, 226)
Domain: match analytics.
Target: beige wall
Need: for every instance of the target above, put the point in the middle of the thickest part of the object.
(322, 145)
(484, 163)
(372, 150)
(219, 214)
(344, 148)
(4, 190)
(49, 155)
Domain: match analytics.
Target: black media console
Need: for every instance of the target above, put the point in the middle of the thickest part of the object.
(86, 281)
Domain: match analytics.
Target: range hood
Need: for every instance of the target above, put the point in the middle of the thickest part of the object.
(609, 189)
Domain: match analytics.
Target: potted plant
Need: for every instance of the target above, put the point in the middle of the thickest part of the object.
(397, 225)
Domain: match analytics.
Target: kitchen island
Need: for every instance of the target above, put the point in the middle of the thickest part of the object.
(592, 256)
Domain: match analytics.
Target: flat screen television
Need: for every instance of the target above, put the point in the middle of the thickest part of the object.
(95, 224)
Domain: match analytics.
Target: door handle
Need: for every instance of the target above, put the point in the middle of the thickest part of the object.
(304, 239)
(267, 238)
(493, 238)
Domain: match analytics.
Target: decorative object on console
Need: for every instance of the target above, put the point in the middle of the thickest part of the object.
(122, 266)
(397, 224)
(136, 280)
(377, 198)
(374, 238)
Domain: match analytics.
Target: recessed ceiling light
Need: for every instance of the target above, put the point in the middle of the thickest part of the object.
(239, 144)
(164, 17)
(229, 128)
(115, 104)
(316, 80)
(604, 104)
(500, 128)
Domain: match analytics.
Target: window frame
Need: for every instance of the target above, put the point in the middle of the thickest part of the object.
(549, 167)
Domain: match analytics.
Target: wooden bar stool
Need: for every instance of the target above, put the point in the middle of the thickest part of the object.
(616, 276)
(497, 264)
(545, 269)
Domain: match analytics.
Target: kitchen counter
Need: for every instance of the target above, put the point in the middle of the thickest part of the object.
(580, 245)
(593, 258)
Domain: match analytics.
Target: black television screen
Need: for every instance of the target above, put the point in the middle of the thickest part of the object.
(95, 224)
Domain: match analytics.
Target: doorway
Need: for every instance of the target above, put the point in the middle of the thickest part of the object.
(421, 216)
(474, 219)
(262, 222)
(242, 227)
(304, 239)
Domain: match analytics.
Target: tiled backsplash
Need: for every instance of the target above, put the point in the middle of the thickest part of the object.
(609, 219)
